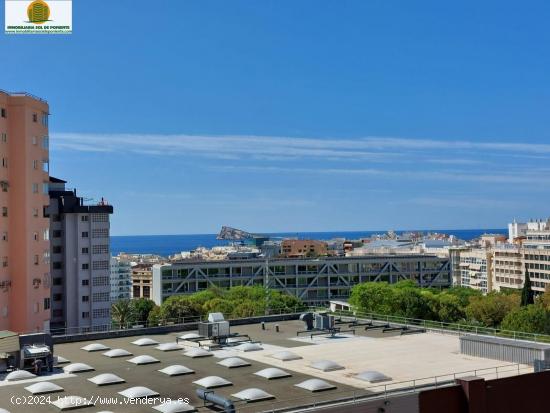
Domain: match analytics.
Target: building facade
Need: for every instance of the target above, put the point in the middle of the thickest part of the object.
(297, 248)
(142, 281)
(24, 243)
(80, 261)
(315, 281)
(121, 279)
(476, 269)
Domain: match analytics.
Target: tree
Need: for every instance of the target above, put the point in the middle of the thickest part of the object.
(449, 309)
(142, 308)
(372, 297)
(527, 296)
(122, 313)
(179, 306)
(544, 298)
(491, 309)
(408, 301)
(464, 294)
(530, 319)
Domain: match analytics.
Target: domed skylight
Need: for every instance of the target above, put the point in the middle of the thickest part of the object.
(77, 368)
(105, 379)
(286, 356)
(43, 387)
(117, 352)
(197, 352)
(19, 375)
(145, 341)
(168, 347)
(326, 365)
(211, 382)
(253, 395)
(144, 359)
(176, 370)
(233, 362)
(72, 402)
(138, 392)
(315, 385)
(372, 376)
(95, 347)
(272, 373)
(249, 347)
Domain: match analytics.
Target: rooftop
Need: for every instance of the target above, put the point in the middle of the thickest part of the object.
(402, 361)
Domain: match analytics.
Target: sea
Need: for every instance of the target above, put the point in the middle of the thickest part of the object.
(172, 244)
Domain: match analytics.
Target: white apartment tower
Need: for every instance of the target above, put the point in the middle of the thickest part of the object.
(80, 261)
(121, 279)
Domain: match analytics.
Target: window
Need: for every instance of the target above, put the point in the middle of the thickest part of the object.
(34, 117)
(5, 262)
(46, 234)
(46, 256)
(85, 283)
(44, 119)
(85, 298)
(85, 234)
(35, 236)
(45, 142)
(57, 280)
(45, 188)
(3, 112)
(4, 185)
(36, 260)
(56, 218)
(35, 164)
(4, 211)
(34, 140)
(57, 265)
(100, 297)
(85, 266)
(4, 137)
(100, 249)
(57, 249)
(100, 233)
(85, 314)
(4, 162)
(57, 297)
(4, 236)
(45, 166)
(85, 250)
(56, 233)
(100, 281)
(34, 188)
(100, 265)
(100, 217)
(35, 212)
(84, 218)
(57, 313)
(101, 313)
(46, 303)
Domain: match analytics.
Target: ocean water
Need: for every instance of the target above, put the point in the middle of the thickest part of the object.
(171, 244)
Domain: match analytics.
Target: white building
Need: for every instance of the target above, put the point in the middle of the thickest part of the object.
(121, 279)
(80, 267)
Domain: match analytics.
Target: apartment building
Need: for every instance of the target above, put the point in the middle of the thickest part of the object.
(508, 267)
(475, 267)
(80, 261)
(121, 279)
(296, 248)
(314, 280)
(24, 242)
(142, 281)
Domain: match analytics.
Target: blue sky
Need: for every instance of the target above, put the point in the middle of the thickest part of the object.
(298, 115)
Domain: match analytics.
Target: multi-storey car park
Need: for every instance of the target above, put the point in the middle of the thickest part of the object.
(314, 280)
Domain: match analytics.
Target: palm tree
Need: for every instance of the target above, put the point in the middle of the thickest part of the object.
(122, 312)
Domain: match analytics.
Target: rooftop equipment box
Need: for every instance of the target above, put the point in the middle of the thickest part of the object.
(215, 327)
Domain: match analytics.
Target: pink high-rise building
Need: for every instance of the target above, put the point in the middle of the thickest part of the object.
(24, 232)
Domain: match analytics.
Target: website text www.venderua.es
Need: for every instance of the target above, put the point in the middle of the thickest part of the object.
(93, 400)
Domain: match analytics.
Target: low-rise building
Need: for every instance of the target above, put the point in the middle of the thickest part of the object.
(314, 280)
(142, 281)
(297, 248)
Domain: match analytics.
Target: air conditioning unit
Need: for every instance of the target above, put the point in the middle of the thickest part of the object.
(323, 321)
(215, 327)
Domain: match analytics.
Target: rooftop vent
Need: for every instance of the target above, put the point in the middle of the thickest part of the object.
(43, 387)
(233, 362)
(215, 317)
(19, 375)
(138, 392)
(168, 347)
(145, 341)
(197, 352)
(286, 356)
(189, 336)
(272, 373)
(105, 379)
(77, 368)
(117, 352)
(249, 347)
(315, 385)
(372, 376)
(326, 365)
(144, 359)
(95, 347)
(176, 370)
(211, 382)
(72, 402)
(175, 406)
(253, 395)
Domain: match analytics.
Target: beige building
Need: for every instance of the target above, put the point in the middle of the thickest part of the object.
(508, 267)
(24, 242)
(298, 248)
(142, 281)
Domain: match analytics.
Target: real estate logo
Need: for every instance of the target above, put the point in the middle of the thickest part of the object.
(38, 16)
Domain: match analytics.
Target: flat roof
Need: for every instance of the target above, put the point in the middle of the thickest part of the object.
(404, 358)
